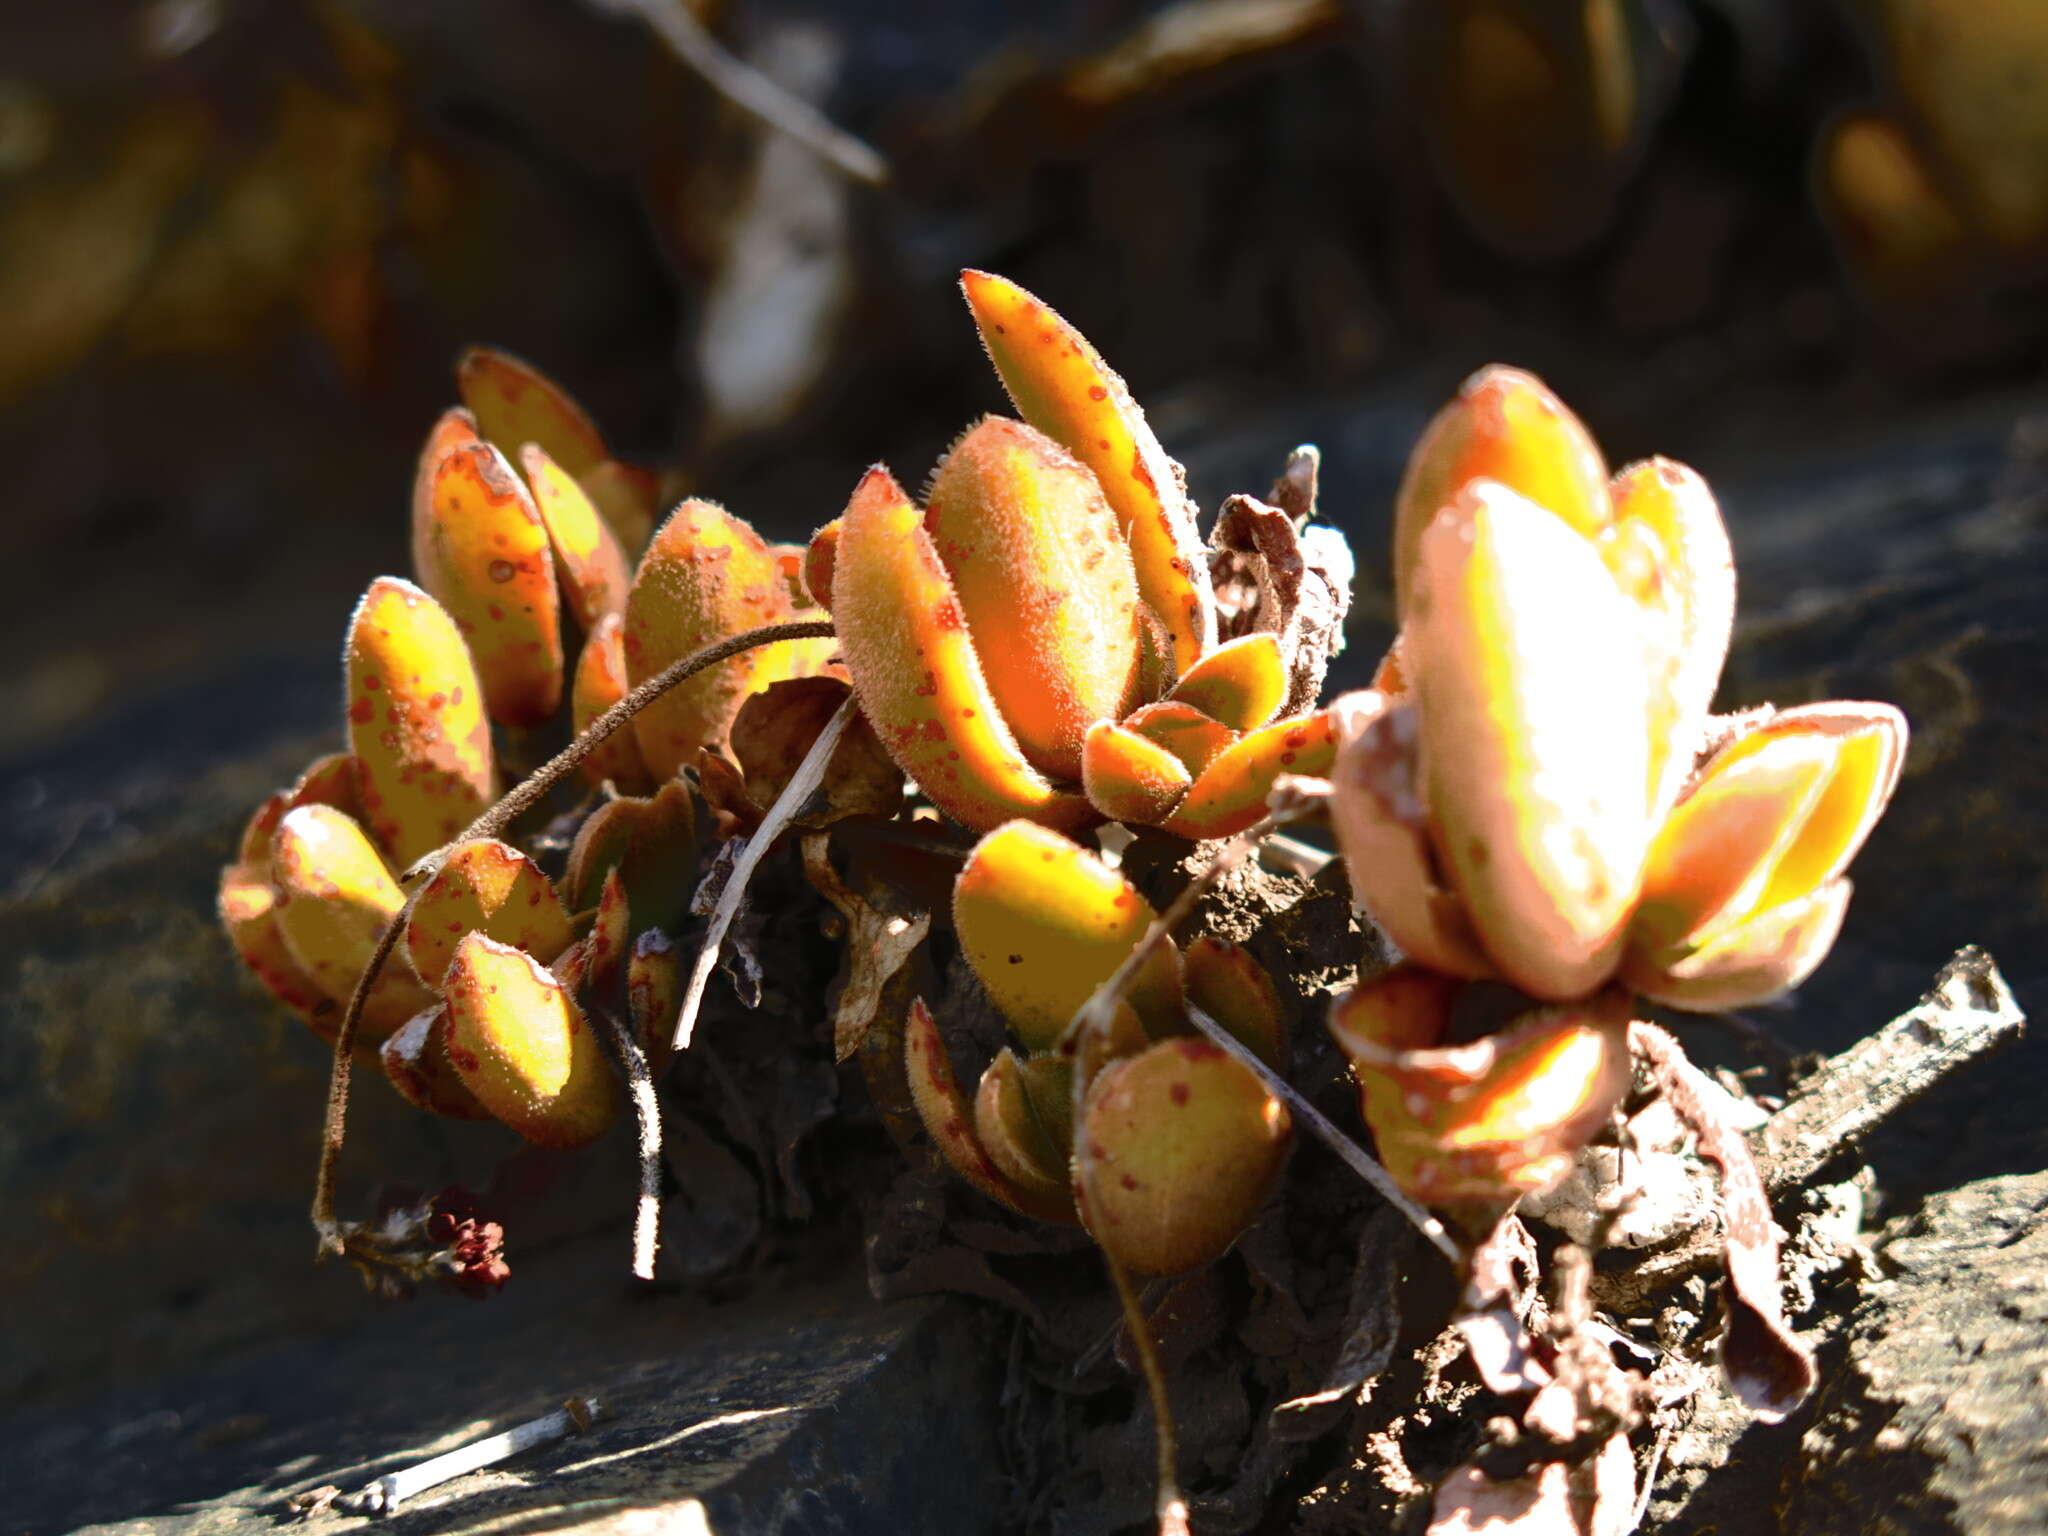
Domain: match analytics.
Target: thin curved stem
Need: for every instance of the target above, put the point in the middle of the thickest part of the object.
(1168, 1505)
(515, 803)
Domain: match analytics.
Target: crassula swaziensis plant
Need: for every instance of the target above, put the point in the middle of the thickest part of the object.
(1533, 802)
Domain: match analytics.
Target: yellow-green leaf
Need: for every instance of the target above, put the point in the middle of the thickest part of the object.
(415, 721)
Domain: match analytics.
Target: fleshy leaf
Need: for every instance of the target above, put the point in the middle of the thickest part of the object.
(594, 964)
(1383, 832)
(483, 553)
(254, 847)
(1044, 581)
(1225, 982)
(919, 678)
(1240, 683)
(1012, 1135)
(1230, 794)
(1193, 737)
(1751, 963)
(248, 910)
(1063, 388)
(330, 780)
(523, 1047)
(1044, 923)
(515, 404)
(415, 721)
(627, 497)
(415, 1059)
(588, 556)
(821, 556)
(600, 683)
(706, 576)
(949, 1119)
(1533, 692)
(335, 897)
(1129, 777)
(1176, 1151)
(653, 844)
(1504, 426)
(1488, 1122)
(488, 887)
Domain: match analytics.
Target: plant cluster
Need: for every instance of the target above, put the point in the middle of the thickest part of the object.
(1533, 803)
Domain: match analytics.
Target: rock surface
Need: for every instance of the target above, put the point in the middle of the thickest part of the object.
(1935, 1423)
(809, 1409)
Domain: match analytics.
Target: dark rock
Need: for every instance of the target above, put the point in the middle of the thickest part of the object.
(1933, 1422)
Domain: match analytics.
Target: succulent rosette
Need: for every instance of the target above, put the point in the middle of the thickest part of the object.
(1536, 792)
(486, 1013)
(1042, 638)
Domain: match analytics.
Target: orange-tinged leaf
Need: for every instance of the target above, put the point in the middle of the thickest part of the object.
(1176, 1150)
(1230, 794)
(1240, 683)
(415, 1060)
(1869, 742)
(1044, 923)
(820, 556)
(1533, 690)
(1504, 426)
(705, 577)
(1193, 737)
(335, 897)
(1717, 848)
(1225, 982)
(587, 554)
(333, 779)
(809, 658)
(482, 551)
(1487, 1122)
(1045, 582)
(1129, 777)
(653, 844)
(1063, 388)
(248, 910)
(1383, 832)
(1750, 963)
(1675, 504)
(595, 962)
(916, 670)
(600, 683)
(949, 1120)
(1010, 1132)
(488, 887)
(254, 848)
(455, 429)
(627, 496)
(523, 1047)
(515, 404)
(415, 721)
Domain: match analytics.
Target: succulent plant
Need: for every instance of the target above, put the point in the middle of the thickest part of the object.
(1043, 639)
(486, 1016)
(1537, 794)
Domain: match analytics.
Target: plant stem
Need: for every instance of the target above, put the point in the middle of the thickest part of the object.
(1168, 1505)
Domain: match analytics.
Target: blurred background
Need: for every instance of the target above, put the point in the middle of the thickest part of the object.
(1801, 246)
(241, 244)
